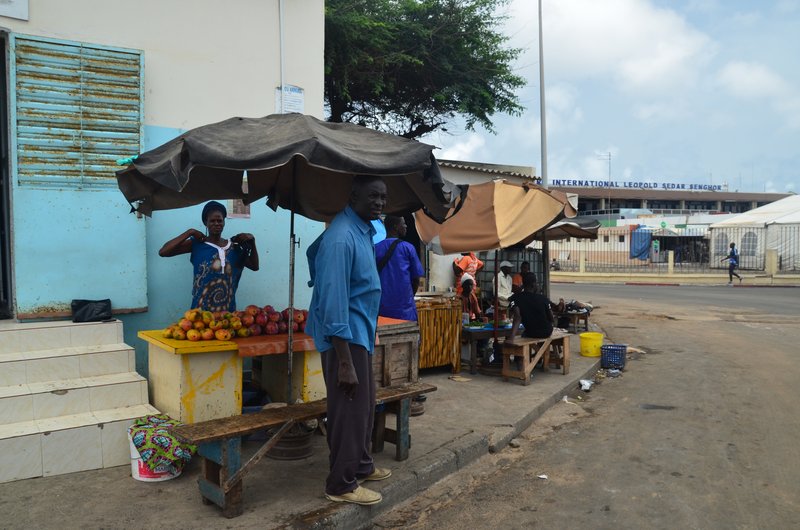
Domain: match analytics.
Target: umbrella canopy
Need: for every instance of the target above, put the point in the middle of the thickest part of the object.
(572, 228)
(494, 215)
(297, 161)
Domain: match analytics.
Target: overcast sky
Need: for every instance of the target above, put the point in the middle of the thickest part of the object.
(685, 91)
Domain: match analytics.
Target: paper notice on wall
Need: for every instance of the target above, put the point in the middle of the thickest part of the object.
(293, 99)
(14, 9)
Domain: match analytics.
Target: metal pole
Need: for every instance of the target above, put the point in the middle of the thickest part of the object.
(545, 180)
(290, 339)
(542, 113)
(280, 38)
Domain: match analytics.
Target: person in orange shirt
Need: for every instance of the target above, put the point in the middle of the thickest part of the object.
(467, 263)
(516, 280)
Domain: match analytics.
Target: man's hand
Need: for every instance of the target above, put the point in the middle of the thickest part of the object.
(348, 380)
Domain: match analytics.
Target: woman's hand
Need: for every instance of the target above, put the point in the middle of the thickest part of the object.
(243, 237)
(195, 234)
(248, 243)
(181, 244)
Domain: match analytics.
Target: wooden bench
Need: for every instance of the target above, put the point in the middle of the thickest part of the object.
(530, 351)
(219, 441)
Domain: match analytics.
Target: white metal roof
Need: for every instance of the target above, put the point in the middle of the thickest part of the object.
(784, 211)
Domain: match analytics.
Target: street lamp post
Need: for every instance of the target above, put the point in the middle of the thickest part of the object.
(543, 139)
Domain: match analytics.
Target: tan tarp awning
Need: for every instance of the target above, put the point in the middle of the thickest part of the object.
(496, 214)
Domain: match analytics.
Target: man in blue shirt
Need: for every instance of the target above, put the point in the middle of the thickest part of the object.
(342, 320)
(400, 272)
(733, 262)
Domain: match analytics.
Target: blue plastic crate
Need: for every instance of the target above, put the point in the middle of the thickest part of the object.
(613, 355)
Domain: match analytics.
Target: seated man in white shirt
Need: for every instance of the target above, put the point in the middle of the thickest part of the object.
(505, 283)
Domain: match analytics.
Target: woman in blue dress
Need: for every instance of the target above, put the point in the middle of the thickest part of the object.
(218, 263)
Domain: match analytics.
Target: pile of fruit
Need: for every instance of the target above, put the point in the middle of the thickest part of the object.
(266, 321)
(197, 324)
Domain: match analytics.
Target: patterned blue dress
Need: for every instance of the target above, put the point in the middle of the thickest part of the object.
(217, 271)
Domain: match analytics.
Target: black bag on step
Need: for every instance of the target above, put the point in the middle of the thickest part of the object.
(91, 310)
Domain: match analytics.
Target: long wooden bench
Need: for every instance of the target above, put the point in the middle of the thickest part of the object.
(219, 441)
(530, 351)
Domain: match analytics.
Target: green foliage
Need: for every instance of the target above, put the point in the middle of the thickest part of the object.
(409, 66)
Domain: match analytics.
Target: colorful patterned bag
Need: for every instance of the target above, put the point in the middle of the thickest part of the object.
(159, 449)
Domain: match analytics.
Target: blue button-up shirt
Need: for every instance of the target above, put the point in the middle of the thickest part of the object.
(347, 289)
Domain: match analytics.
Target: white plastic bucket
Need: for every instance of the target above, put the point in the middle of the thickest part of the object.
(140, 471)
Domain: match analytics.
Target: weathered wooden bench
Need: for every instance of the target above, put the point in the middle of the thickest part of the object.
(219, 441)
(530, 351)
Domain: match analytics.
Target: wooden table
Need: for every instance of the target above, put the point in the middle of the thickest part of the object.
(440, 332)
(394, 360)
(473, 335)
(530, 350)
(193, 381)
(574, 318)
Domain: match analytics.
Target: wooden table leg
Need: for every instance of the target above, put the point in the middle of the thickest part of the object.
(403, 440)
(473, 356)
(379, 430)
(221, 460)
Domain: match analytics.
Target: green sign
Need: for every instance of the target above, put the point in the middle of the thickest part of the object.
(663, 224)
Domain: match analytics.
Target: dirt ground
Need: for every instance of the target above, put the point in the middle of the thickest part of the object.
(700, 431)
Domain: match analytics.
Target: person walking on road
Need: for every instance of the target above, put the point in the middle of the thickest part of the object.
(400, 270)
(342, 320)
(733, 264)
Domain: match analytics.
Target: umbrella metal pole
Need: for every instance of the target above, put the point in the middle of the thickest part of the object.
(496, 298)
(546, 265)
(290, 330)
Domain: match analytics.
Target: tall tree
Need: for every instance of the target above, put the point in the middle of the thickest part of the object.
(409, 66)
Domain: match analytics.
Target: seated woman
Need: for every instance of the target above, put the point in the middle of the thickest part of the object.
(471, 306)
(532, 309)
(469, 302)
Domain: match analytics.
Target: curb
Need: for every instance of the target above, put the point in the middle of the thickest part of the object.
(540, 409)
(431, 468)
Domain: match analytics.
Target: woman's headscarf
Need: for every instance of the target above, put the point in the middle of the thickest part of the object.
(213, 206)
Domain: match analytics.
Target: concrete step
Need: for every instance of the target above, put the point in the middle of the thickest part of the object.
(69, 443)
(50, 399)
(16, 337)
(67, 362)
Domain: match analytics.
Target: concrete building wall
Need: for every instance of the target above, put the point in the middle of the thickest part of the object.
(204, 61)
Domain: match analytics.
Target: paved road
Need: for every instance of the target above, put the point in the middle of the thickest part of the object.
(701, 431)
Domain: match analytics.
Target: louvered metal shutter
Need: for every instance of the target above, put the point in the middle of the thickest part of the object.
(78, 110)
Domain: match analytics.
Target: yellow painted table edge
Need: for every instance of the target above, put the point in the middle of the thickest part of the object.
(183, 347)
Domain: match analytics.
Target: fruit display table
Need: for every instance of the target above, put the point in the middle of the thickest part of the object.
(268, 353)
(198, 381)
(394, 361)
(194, 381)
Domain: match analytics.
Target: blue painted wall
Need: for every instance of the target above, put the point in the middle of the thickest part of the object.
(76, 243)
(169, 280)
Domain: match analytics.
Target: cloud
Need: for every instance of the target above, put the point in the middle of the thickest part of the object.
(755, 81)
(638, 46)
(751, 80)
(469, 149)
(564, 114)
(786, 7)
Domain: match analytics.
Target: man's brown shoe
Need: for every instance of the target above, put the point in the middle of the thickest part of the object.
(379, 473)
(362, 496)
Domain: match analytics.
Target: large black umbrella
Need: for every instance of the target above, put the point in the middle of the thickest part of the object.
(296, 161)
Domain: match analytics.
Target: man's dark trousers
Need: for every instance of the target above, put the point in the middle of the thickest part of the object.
(349, 422)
